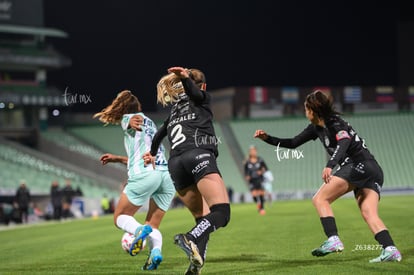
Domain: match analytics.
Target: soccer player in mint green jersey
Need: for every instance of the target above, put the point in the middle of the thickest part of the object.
(145, 182)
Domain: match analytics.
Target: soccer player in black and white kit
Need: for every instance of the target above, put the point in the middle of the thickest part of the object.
(355, 170)
(192, 162)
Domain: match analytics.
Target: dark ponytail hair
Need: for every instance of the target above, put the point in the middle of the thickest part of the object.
(321, 104)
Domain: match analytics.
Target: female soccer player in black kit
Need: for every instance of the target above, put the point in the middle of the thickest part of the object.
(254, 168)
(356, 170)
(192, 162)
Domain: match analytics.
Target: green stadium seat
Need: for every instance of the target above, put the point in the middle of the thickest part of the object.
(228, 167)
(38, 174)
(65, 139)
(107, 139)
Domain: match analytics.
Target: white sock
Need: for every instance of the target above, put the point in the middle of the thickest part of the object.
(155, 239)
(127, 223)
(333, 238)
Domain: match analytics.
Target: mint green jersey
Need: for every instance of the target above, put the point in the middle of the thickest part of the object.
(139, 142)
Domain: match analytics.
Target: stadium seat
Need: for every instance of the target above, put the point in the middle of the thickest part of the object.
(38, 174)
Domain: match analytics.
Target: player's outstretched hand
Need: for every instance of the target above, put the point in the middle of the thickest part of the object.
(148, 158)
(326, 174)
(260, 134)
(136, 122)
(105, 158)
(179, 71)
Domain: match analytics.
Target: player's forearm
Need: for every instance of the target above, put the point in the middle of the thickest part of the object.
(339, 153)
(157, 139)
(192, 90)
(282, 142)
(121, 159)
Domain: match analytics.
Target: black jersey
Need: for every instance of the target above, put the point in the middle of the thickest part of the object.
(190, 124)
(338, 137)
(252, 169)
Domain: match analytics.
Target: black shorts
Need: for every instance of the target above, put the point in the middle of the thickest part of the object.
(188, 168)
(256, 184)
(24, 209)
(363, 174)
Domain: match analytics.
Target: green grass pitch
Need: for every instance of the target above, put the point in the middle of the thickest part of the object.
(277, 243)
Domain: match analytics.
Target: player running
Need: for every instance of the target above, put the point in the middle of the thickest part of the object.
(145, 182)
(192, 161)
(356, 170)
(254, 169)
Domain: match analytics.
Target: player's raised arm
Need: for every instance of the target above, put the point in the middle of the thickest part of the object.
(106, 158)
(193, 81)
(306, 135)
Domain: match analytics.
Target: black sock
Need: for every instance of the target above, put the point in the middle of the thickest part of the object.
(218, 217)
(329, 226)
(197, 220)
(202, 246)
(202, 243)
(255, 199)
(262, 200)
(384, 238)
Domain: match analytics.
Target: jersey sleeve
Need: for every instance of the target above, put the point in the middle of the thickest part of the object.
(246, 169)
(158, 137)
(263, 164)
(306, 135)
(192, 90)
(343, 139)
(125, 121)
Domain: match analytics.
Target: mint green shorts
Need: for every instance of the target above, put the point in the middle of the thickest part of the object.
(156, 185)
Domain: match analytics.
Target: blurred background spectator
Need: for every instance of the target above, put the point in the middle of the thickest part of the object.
(22, 199)
(56, 200)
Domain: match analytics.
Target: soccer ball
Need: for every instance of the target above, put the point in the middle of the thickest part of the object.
(127, 240)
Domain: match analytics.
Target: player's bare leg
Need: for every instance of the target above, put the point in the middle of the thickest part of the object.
(367, 200)
(327, 194)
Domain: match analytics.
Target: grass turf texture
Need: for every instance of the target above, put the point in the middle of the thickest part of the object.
(278, 243)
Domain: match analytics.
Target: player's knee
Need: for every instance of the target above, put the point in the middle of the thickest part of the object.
(317, 200)
(365, 215)
(224, 210)
(369, 215)
(117, 221)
